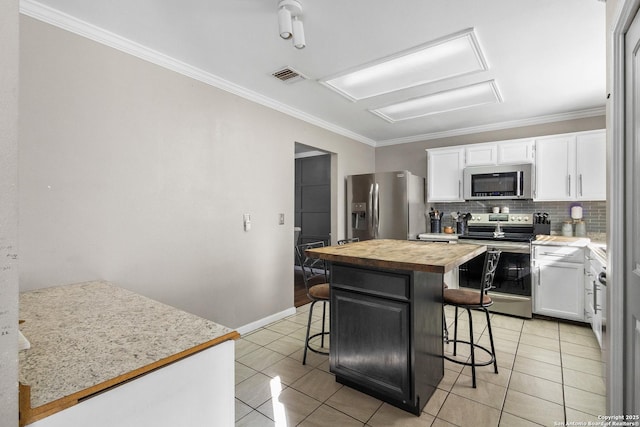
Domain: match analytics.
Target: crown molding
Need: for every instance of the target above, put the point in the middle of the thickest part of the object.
(69, 23)
(593, 112)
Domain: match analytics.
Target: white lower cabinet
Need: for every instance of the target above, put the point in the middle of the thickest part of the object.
(558, 282)
(594, 294)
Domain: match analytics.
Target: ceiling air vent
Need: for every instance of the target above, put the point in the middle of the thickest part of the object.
(288, 75)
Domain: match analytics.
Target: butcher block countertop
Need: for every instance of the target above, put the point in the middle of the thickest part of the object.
(400, 254)
(88, 337)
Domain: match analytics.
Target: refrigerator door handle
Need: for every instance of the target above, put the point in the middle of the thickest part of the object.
(376, 210)
(370, 209)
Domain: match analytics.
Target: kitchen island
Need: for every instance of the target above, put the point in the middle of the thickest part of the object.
(386, 316)
(101, 355)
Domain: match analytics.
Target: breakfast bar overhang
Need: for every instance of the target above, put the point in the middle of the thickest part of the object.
(386, 316)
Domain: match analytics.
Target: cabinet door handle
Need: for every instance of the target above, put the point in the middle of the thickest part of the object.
(595, 297)
(580, 183)
(459, 189)
(568, 185)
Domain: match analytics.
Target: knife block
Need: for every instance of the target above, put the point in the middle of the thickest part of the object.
(541, 229)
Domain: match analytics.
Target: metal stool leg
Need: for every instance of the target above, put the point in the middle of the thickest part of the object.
(455, 333)
(444, 327)
(306, 340)
(493, 349)
(473, 349)
(324, 312)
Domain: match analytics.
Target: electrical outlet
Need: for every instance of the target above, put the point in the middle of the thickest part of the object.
(281, 219)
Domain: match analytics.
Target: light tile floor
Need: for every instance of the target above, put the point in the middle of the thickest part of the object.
(549, 372)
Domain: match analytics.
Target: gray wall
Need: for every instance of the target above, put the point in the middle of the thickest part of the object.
(9, 212)
(135, 174)
(412, 156)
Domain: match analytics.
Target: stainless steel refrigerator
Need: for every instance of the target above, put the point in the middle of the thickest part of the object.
(386, 205)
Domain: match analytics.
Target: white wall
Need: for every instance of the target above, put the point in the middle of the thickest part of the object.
(138, 175)
(8, 212)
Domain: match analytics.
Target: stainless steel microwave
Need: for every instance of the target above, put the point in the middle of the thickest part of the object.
(498, 182)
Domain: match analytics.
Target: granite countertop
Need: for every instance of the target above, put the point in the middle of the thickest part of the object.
(400, 254)
(543, 239)
(89, 336)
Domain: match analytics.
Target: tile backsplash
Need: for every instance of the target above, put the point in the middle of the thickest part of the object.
(594, 214)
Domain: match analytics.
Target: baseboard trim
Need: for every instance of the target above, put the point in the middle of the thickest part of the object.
(249, 327)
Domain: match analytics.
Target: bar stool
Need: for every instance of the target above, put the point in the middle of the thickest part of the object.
(316, 281)
(476, 300)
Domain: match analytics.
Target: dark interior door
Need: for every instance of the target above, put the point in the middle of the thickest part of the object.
(313, 198)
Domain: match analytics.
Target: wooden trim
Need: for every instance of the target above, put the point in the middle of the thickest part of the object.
(29, 415)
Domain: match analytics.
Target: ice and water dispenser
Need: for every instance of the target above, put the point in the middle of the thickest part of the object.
(359, 216)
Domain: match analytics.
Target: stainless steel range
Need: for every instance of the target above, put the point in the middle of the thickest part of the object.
(512, 233)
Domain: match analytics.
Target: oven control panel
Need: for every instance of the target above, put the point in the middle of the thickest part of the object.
(503, 218)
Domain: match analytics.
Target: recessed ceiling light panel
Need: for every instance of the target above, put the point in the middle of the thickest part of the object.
(441, 102)
(454, 55)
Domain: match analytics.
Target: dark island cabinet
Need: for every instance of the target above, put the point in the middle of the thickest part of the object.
(386, 333)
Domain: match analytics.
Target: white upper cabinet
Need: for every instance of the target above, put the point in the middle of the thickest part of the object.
(513, 152)
(555, 168)
(591, 155)
(571, 167)
(444, 171)
(499, 153)
(567, 167)
(481, 154)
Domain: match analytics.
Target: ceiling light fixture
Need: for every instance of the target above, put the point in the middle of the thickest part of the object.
(290, 25)
(284, 22)
(454, 55)
(298, 34)
(441, 102)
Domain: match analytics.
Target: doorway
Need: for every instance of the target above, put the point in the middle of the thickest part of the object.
(312, 204)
